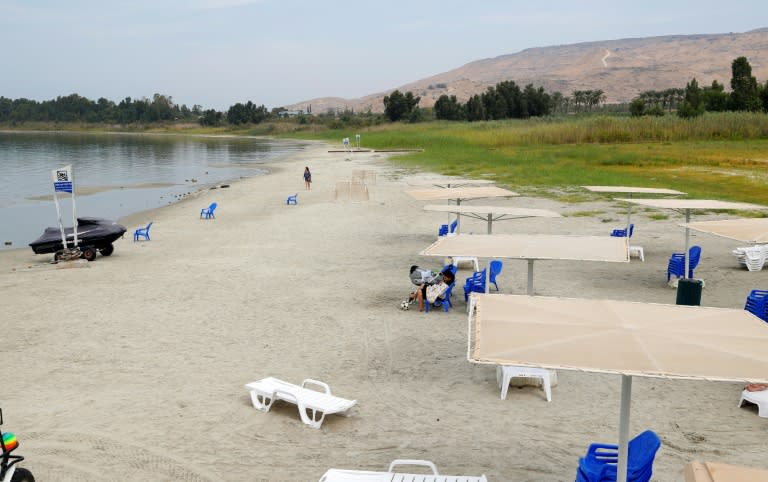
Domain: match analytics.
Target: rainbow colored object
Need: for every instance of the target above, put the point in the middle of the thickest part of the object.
(9, 440)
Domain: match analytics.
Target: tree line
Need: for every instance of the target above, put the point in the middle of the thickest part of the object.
(75, 108)
(746, 95)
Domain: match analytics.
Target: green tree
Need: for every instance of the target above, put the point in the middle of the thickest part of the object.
(398, 106)
(475, 109)
(448, 108)
(715, 97)
(744, 94)
(693, 102)
(637, 107)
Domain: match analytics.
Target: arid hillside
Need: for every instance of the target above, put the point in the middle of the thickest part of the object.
(621, 68)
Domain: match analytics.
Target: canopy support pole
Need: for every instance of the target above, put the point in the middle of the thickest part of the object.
(626, 398)
(629, 215)
(687, 242)
(490, 223)
(458, 215)
(530, 277)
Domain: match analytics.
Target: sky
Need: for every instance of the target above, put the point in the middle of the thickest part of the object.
(215, 53)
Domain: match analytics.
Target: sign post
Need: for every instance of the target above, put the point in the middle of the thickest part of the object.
(63, 182)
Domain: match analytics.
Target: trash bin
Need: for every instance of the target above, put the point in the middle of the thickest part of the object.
(689, 292)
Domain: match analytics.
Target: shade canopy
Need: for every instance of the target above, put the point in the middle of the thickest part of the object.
(458, 182)
(492, 213)
(505, 211)
(717, 472)
(531, 246)
(632, 190)
(747, 230)
(688, 204)
(460, 193)
(711, 204)
(622, 337)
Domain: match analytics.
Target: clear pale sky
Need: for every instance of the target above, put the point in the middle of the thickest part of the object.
(277, 52)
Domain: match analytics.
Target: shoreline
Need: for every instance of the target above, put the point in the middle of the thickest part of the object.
(123, 370)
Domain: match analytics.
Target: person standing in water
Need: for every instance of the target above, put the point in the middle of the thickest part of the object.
(307, 178)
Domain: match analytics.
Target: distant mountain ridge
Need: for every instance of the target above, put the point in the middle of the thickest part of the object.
(621, 68)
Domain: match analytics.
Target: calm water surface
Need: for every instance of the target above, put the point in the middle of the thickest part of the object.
(115, 174)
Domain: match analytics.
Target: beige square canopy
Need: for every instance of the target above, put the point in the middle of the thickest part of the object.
(493, 213)
(448, 182)
(460, 193)
(688, 204)
(747, 230)
(632, 190)
(531, 247)
(623, 337)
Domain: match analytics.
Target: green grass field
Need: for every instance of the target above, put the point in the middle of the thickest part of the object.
(720, 156)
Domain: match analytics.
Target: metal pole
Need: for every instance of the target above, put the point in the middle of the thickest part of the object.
(488, 277)
(687, 242)
(629, 215)
(530, 277)
(458, 216)
(626, 398)
(490, 223)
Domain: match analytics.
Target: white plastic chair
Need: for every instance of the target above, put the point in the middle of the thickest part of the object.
(758, 398)
(340, 475)
(505, 373)
(313, 405)
(754, 258)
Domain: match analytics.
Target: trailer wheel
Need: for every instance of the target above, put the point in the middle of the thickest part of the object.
(22, 475)
(89, 253)
(57, 257)
(107, 250)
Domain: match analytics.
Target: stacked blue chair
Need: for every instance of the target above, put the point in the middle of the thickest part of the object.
(622, 233)
(445, 302)
(474, 284)
(444, 229)
(496, 267)
(293, 199)
(757, 304)
(599, 465)
(676, 264)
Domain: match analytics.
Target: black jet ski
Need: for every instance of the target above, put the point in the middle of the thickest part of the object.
(93, 234)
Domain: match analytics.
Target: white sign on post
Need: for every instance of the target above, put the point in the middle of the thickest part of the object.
(64, 182)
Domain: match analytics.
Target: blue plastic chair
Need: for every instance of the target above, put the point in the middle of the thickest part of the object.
(143, 232)
(445, 229)
(293, 199)
(757, 305)
(474, 284)
(600, 462)
(445, 302)
(496, 267)
(676, 264)
(207, 213)
(622, 233)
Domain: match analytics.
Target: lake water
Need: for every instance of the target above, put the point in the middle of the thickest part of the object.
(115, 174)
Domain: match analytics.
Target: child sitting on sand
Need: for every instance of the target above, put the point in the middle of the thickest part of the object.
(425, 278)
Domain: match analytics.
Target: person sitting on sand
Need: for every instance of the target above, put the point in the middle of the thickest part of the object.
(425, 278)
(756, 387)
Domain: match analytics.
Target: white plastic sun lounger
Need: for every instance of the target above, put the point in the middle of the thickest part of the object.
(337, 475)
(758, 398)
(313, 405)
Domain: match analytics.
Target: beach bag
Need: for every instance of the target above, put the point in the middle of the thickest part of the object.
(435, 291)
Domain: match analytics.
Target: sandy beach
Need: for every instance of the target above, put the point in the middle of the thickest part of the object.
(132, 368)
